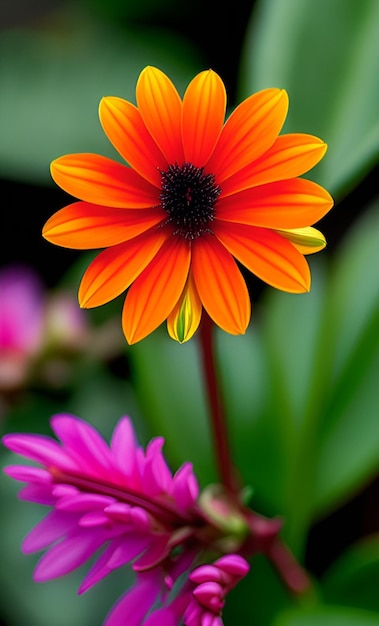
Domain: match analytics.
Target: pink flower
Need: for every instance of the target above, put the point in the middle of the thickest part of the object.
(125, 502)
(213, 583)
(39, 331)
(120, 498)
(21, 323)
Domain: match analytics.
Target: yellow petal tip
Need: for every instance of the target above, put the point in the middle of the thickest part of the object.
(184, 320)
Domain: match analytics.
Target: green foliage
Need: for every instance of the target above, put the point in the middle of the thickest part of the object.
(168, 383)
(326, 55)
(353, 579)
(53, 79)
(327, 616)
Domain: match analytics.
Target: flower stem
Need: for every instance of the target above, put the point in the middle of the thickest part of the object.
(290, 571)
(264, 537)
(227, 472)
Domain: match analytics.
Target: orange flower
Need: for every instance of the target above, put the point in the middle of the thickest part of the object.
(200, 193)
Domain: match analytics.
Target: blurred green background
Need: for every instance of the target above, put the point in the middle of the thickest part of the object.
(302, 387)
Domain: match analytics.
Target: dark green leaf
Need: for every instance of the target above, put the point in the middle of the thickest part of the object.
(327, 616)
(168, 380)
(52, 81)
(349, 434)
(326, 55)
(353, 579)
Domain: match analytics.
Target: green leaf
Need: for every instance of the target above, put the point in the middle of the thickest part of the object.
(349, 435)
(327, 616)
(353, 579)
(53, 79)
(291, 330)
(326, 56)
(257, 436)
(321, 397)
(267, 375)
(168, 381)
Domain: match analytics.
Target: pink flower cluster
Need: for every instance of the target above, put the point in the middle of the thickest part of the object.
(123, 499)
(213, 583)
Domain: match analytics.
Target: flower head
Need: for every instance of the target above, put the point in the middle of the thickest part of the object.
(198, 195)
(123, 504)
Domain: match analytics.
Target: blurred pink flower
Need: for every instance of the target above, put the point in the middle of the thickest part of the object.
(66, 326)
(125, 500)
(21, 323)
(39, 330)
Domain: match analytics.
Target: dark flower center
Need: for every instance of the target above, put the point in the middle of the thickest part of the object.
(188, 196)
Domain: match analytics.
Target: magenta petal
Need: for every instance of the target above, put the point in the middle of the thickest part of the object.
(84, 442)
(210, 595)
(134, 516)
(84, 502)
(119, 511)
(67, 555)
(93, 519)
(185, 488)
(170, 615)
(233, 564)
(64, 491)
(157, 551)
(127, 549)
(132, 608)
(100, 569)
(209, 619)
(118, 553)
(206, 573)
(28, 473)
(193, 614)
(37, 493)
(54, 526)
(123, 446)
(157, 476)
(140, 519)
(39, 448)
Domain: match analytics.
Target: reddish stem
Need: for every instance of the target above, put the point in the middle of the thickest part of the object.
(264, 533)
(265, 538)
(290, 571)
(227, 472)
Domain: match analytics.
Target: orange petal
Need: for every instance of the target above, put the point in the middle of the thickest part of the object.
(86, 226)
(204, 105)
(113, 270)
(124, 127)
(267, 255)
(290, 156)
(154, 294)
(161, 109)
(293, 203)
(99, 180)
(250, 130)
(184, 319)
(220, 285)
(306, 240)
